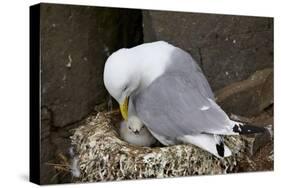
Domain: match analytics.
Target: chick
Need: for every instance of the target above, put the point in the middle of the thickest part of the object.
(134, 132)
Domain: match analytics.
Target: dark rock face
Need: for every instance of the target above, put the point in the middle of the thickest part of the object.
(47, 148)
(228, 48)
(248, 97)
(76, 41)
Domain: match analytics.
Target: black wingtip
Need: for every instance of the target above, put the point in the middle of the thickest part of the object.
(247, 129)
(220, 149)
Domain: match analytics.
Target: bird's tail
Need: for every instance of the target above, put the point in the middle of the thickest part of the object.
(246, 128)
(214, 144)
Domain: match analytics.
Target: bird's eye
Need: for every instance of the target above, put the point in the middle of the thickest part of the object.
(125, 88)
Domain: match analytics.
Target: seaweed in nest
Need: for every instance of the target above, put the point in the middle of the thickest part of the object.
(103, 156)
(99, 154)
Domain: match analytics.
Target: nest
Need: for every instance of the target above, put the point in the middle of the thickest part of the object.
(103, 156)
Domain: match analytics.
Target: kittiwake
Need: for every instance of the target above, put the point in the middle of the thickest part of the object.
(164, 87)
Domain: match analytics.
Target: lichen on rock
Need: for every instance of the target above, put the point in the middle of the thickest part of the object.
(103, 156)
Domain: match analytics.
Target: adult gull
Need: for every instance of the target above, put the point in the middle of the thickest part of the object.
(164, 87)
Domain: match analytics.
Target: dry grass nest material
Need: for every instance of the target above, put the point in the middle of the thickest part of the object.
(103, 156)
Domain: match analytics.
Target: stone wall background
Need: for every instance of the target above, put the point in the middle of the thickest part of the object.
(76, 40)
(228, 48)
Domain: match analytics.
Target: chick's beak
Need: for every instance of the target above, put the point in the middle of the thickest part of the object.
(124, 108)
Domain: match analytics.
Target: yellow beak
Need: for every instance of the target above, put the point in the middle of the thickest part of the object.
(124, 108)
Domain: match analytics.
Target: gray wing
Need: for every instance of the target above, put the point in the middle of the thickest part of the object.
(183, 62)
(173, 105)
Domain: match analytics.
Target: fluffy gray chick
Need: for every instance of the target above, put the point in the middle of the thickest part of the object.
(134, 132)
